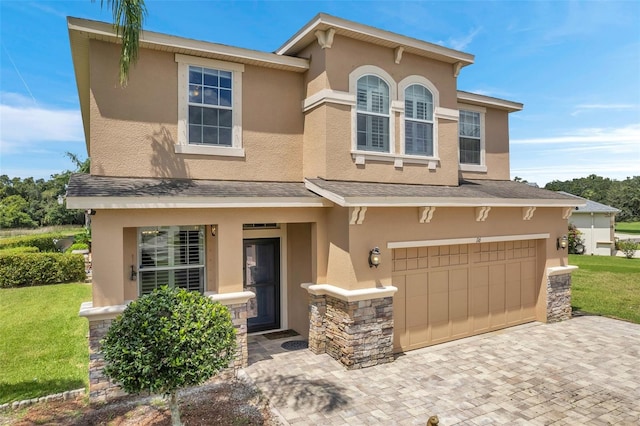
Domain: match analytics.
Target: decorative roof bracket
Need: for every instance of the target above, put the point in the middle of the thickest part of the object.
(567, 212)
(527, 213)
(357, 215)
(456, 69)
(426, 214)
(482, 213)
(398, 54)
(325, 38)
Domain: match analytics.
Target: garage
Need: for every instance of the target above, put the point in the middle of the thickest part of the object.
(448, 292)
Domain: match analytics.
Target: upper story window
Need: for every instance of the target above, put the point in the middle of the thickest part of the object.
(418, 120)
(171, 255)
(471, 143)
(209, 107)
(372, 101)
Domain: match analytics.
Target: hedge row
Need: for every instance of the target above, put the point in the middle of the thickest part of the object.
(14, 250)
(44, 242)
(18, 269)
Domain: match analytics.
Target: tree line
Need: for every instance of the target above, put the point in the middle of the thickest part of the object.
(31, 203)
(621, 194)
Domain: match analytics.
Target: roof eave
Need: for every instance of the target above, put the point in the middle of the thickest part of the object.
(151, 202)
(489, 101)
(322, 21)
(152, 40)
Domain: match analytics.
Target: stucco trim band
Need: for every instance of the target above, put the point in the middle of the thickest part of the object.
(349, 295)
(102, 312)
(560, 270)
(231, 298)
(468, 240)
(328, 96)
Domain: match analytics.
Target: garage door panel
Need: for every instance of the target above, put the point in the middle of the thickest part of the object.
(457, 291)
(438, 297)
(416, 299)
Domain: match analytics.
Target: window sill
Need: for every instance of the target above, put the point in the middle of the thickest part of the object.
(360, 157)
(473, 168)
(224, 151)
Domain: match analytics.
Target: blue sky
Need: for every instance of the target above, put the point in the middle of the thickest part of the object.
(574, 64)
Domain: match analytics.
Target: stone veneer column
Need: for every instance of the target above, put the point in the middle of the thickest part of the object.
(317, 329)
(239, 318)
(559, 292)
(558, 297)
(100, 387)
(354, 327)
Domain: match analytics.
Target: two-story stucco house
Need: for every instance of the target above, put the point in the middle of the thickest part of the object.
(341, 186)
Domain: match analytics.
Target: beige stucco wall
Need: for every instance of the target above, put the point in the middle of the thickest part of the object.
(298, 271)
(114, 238)
(139, 122)
(496, 146)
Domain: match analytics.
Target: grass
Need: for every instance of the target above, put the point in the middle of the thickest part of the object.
(628, 227)
(606, 285)
(43, 344)
(62, 229)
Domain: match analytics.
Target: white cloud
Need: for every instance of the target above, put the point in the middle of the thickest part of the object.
(625, 135)
(461, 43)
(25, 125)
(591, 107)
(614, 169)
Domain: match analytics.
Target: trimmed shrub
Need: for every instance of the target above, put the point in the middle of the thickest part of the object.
(167, 340)
(17, 269)
(44, 242)
(628, 247)
(78, 246)
(14, 250)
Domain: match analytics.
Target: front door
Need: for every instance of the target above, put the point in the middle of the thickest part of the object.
(262, 276)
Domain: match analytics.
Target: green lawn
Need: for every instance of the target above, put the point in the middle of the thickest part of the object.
(628, 227)
(43, 343)
(607, 286)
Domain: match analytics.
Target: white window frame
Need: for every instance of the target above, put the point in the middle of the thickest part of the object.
(402, 86)
(482, 167)
(353, 88)
(183, 147)
(202, 254)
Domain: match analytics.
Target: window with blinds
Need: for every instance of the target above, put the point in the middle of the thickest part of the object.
(372, 114)
(172, 256)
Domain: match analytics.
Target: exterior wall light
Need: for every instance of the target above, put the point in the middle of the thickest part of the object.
(374, 257)
(561, 243)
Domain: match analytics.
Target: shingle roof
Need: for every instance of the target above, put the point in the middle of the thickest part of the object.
(84, 185)
(591, 206)
(469, 192)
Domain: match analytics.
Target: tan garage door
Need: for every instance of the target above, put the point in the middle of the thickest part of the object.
(450, 292)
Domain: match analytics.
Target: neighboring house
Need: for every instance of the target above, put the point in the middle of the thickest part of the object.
(269, 181)
(597, 223)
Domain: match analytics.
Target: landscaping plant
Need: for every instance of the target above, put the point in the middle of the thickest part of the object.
(628, 247)
(576, 243)
(167, 340)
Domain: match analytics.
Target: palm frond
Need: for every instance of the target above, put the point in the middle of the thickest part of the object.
(128, 19)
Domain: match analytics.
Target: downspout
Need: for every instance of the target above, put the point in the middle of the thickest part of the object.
(593, 230)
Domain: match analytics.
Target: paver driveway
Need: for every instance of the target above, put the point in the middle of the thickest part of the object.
(582, 371)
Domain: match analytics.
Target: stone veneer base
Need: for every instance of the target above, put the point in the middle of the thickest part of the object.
(558, 297)
(358, 334)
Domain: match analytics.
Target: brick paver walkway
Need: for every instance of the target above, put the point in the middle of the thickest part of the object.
(582, 371)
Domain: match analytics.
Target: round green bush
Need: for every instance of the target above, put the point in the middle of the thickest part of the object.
(167, 340)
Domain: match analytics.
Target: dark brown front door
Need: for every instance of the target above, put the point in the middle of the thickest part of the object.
(262, 276)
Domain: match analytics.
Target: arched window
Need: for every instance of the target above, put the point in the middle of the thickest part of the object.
(372, 103)
(418, 120)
